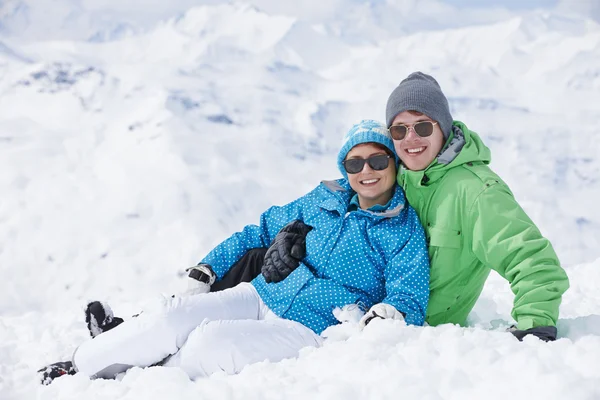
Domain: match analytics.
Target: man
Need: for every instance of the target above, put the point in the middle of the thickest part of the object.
(472, 222)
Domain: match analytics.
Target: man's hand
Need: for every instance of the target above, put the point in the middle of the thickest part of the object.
(286, 251)
(201, 277)
(380, 310)
(545, 333)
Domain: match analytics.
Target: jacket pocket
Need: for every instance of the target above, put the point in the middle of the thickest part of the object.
(279, 296)
(444, 253)
(445, 238)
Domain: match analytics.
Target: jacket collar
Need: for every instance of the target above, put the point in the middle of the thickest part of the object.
(342, 194)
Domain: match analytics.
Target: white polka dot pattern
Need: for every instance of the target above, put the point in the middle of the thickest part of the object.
(360, 257)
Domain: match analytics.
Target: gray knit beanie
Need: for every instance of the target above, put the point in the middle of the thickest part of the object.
(420, 92)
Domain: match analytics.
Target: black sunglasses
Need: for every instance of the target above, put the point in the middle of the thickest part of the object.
(378, 163)
(423, 129)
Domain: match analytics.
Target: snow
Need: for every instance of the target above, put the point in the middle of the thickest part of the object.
(134, 136)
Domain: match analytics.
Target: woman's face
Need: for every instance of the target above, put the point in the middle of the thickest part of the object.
(373, 187)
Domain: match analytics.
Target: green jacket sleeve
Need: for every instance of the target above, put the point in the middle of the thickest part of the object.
(506, 240)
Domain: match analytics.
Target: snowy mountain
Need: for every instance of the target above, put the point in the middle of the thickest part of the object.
(135, 136)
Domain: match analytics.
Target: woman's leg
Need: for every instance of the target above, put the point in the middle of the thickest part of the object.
(155, 334)
(231, 345)
(244, 270)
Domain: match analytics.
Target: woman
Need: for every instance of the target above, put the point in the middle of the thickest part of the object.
(366, 247)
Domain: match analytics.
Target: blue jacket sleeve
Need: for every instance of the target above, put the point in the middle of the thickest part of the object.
(222, 257)
(407, 276)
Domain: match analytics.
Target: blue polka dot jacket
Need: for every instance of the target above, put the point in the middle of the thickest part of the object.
(359, 257)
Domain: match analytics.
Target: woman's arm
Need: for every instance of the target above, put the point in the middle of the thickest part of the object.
(407, 275)
(224, 255)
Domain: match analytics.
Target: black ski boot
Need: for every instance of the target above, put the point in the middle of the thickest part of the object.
(99, 318)
(53, 371)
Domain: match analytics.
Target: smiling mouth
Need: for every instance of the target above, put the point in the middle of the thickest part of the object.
(416, 151)
(369, 182)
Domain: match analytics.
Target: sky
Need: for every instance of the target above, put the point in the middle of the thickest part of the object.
(512, 4)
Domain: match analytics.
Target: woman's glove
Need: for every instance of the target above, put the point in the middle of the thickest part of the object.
(286, 251)
(380, 310)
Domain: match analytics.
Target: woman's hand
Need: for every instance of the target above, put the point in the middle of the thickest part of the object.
(286, 251)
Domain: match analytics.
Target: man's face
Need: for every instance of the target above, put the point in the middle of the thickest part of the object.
(417, 152)
(373, 187)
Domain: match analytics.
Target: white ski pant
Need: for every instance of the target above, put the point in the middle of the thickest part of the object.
(205, 333)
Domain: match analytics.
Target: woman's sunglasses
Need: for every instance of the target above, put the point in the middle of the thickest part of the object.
(423, 129)
(378, 163)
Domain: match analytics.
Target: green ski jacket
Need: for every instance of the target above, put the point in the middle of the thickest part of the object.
(474, 224)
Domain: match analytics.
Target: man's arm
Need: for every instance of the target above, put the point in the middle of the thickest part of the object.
(506, 240)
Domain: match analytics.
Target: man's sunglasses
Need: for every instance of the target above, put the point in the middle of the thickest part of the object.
(423, 129)
(378, 163)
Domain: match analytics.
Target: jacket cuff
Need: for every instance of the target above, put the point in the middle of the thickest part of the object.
(524, 324)
(527, 323)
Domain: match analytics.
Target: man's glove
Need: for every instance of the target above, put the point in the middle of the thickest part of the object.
(286, 251)
(380, 310)
(201, 278)
(545, 333)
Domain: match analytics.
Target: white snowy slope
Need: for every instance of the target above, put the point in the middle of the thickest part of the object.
(136, 135)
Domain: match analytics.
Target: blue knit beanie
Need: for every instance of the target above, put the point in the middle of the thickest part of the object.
(420, 92)
(366, 131)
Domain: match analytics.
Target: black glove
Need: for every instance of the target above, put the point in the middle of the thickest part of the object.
(545, 333)
(286, 251)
